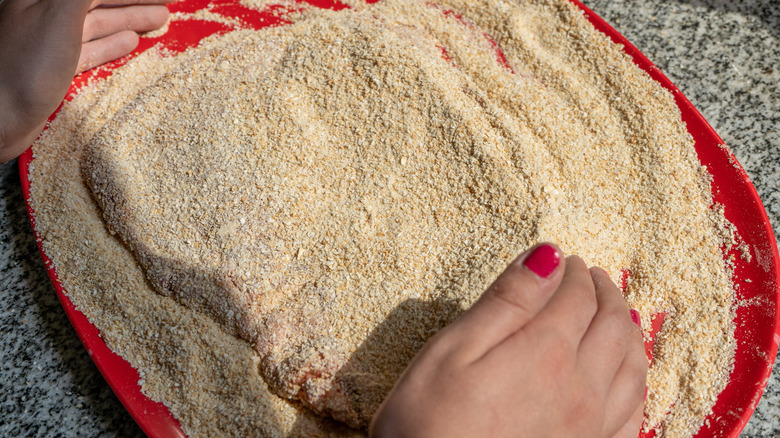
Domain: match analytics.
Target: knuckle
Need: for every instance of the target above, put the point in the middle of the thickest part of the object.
(96, 22)
(621, 330)
(511, 297)
(617, 319)
(516, 290)
(515, 273)
(615, 334)
(441, 345)
(557, 351)
(587, 298)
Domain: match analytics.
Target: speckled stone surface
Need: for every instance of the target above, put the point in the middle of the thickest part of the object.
(723, 55)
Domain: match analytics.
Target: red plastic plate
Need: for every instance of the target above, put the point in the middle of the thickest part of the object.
(757, 325)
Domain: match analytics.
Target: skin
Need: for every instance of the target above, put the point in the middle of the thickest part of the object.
(44, 43)
(534, 357)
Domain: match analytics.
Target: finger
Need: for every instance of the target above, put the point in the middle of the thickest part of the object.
(634, 424)
(107, 49)
(110, 3)
(102, 22)
(607, 338)
(627, 391)
(569, 312)
(516, 296)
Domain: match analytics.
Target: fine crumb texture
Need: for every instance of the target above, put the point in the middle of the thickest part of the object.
(297, 209)
(201, 14)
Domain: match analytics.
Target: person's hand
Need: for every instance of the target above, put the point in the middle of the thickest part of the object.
(43, 43)
(549, 350)
(111, 28)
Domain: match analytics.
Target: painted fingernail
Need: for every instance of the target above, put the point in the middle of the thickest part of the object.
(543, 260)
(635, 317)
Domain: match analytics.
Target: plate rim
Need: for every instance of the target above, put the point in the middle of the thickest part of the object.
(156, 420)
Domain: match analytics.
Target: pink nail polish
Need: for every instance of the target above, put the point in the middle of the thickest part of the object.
(635, 317)
(543, 260)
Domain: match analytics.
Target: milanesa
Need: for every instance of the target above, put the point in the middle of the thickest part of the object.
(336, 190)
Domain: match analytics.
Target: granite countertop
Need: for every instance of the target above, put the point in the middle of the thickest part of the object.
(723, 54)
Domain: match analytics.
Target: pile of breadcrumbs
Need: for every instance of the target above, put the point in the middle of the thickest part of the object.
(375, 168)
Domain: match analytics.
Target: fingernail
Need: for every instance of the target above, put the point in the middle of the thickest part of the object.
(543, 260)
(635, 317)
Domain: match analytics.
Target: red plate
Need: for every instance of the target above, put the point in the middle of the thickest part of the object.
(757, 328)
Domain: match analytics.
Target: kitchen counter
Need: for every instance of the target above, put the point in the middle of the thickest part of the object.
(724, 55)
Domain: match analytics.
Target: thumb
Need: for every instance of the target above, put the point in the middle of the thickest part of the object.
(514, 299)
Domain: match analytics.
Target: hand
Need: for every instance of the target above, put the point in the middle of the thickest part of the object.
(111, 28)
(43, 43)
(549, 350)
